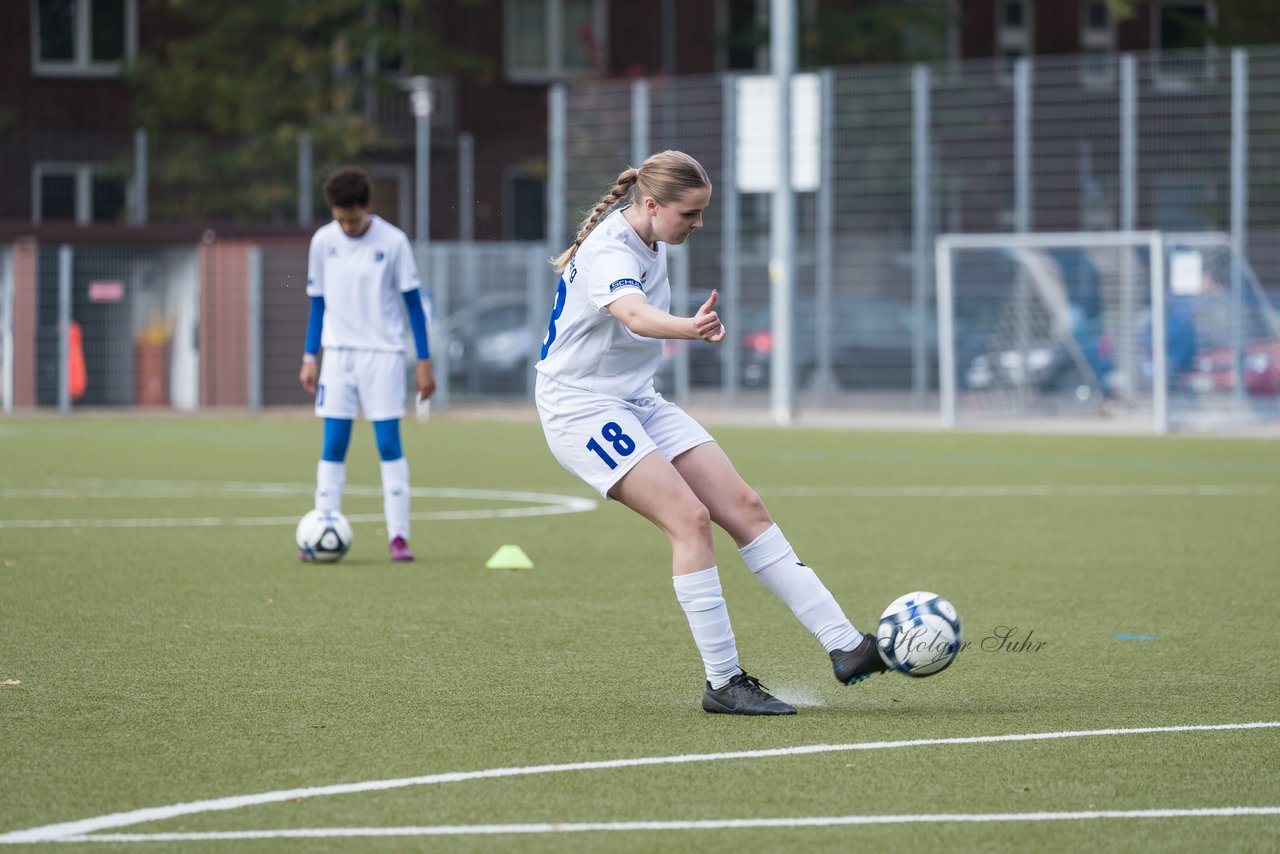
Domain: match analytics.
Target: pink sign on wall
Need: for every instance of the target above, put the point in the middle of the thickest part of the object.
(106, 291)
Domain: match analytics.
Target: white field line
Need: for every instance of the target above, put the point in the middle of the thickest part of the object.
(543, 504)
(98, 488)
(76, 829)
(708, 824)
(1022, 491)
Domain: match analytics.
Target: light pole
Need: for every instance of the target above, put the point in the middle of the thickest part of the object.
(420, 101)
(782, 54)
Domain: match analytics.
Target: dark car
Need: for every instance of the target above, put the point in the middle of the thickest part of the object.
(1201, 357)
(491, 345)
(1057, 343)
(872, 341)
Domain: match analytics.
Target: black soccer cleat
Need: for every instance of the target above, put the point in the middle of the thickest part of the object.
(744, 695)
(858, 663)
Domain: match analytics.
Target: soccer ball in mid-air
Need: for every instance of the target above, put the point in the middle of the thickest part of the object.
(919, 634)
(324, 535)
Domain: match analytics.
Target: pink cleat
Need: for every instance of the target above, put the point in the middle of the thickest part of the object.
(399, 549)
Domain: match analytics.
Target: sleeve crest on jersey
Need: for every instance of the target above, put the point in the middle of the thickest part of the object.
(626, 283)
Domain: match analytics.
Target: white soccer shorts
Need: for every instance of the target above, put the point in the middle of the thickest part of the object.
(352, 380)
(600, 438)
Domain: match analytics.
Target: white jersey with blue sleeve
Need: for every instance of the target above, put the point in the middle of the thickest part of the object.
(362, 279)
(586, 347)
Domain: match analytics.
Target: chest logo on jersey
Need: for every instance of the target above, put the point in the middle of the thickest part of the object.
(378, 256)
(625, 283)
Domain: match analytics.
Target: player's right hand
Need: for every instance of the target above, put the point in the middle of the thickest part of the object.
(706, 322)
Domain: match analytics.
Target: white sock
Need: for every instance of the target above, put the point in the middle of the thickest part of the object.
(395, 497)
(330, 478)
(703, 602)
(774, 562)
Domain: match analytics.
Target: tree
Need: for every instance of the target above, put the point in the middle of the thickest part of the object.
(1246, 22)
(227, 97)
(849, 32)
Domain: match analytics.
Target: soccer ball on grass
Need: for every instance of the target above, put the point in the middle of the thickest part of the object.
(919, 634)
(324, 535)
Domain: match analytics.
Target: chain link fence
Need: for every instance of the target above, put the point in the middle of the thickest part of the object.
(886, 160)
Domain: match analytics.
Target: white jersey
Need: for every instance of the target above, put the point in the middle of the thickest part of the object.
(586, 347)
(362, 279)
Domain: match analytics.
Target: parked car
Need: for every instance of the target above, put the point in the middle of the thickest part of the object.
(871, 341)
(873, 345)
(1064, 346)
(490, 343)
(1214, 370)
(1083, 366)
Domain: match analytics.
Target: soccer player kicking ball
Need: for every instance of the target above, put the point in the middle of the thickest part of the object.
(604, 422)
(359, 270)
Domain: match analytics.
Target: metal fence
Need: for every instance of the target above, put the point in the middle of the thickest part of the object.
(885, 160)
(1173, 329)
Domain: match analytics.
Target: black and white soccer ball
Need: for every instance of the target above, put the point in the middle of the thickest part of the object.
(919, 634)
(324, 535)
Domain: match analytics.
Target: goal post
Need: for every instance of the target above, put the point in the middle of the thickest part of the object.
(1165, 330)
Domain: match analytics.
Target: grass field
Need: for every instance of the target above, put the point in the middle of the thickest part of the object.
(172, 678)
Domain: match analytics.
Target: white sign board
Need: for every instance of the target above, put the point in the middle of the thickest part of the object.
(757, 134)
(1186, 269)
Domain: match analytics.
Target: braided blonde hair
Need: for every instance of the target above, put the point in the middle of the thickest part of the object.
(665, 176)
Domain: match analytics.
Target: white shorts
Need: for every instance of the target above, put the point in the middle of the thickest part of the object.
(600, 438)
(352, 380)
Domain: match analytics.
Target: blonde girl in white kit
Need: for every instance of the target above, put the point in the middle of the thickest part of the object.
(604, 421)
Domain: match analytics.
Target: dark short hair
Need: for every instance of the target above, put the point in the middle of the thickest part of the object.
(348, 187)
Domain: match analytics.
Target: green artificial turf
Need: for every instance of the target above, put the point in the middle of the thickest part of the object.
(166, 661)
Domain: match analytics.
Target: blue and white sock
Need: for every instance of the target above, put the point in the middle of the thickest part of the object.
(701, 598)
(330, 479)
(395, 497)
(774, 562)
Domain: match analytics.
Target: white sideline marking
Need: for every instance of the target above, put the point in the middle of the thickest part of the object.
(707, 824)
(74, 830)
(543, 504)
(1021, 491)
(101, 488)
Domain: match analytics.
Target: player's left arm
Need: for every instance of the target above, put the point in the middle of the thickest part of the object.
(425, 378)
(407, 272)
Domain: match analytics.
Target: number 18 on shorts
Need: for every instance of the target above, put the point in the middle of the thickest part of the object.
(599, 438)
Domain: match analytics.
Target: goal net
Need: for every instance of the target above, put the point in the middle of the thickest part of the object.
(1169, 331)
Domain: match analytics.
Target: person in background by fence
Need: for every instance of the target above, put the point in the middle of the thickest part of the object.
(359, 268)
(604, 422)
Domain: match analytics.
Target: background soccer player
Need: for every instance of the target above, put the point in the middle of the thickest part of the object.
(603, 421)
(360, 269)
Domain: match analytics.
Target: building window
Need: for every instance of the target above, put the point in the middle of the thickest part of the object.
(78, 192)
(746, 35)
(1013, 33)
(527, 207)
(1183, 53)
(1185, 202)
(83, 38)
(1097, 43)
(553, 39)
